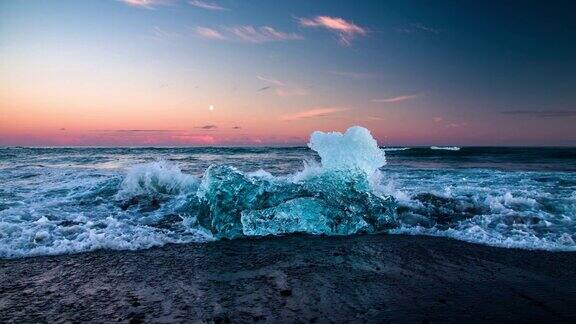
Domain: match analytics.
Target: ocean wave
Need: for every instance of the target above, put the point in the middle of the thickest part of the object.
(504, 209)
(445, 148)
(393, 149)
(53, 208)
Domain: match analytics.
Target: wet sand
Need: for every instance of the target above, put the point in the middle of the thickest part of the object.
(295, 278)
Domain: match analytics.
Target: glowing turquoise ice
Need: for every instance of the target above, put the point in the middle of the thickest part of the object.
(334, 198)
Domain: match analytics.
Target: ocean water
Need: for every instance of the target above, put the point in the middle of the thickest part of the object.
(66, 200)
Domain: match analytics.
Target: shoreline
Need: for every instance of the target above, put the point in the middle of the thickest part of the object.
(370, 278)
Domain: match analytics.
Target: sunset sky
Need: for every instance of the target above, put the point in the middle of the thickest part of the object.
(232, 72)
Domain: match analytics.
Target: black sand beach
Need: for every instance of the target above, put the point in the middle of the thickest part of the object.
(295, 278)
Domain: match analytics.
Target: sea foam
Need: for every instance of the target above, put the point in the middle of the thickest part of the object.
(156, 178)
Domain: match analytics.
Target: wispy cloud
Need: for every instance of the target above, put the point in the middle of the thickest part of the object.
(345, 30)
(270, 80)
(207, 127)
(373, 118)
(207, 5)
(397, 99)
(291, 91)
(354, 75)
(148, 4)
(262, 34)
(315, 112)
(542, 113)
(282, 88)
(136, 130)
(246, 34)
(161, 34)
(456, 125)
(416, 28)
(209, 33)
(440, 121)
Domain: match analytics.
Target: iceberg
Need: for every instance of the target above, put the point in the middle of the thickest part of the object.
(354, 150)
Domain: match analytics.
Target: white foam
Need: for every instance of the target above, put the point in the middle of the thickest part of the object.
(392, 149)
(446, 148)
(49, 238)
(311, 169)
(507, 209)
(157, 177)
(262, 174)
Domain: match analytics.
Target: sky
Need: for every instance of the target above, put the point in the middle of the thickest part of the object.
(268, 73)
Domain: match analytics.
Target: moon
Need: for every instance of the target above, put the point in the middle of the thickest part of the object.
(211, 107)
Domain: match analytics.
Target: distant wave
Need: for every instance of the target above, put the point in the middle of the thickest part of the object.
(446, 148)
(392, 149)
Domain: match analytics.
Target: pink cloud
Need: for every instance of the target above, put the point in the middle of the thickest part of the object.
(209, 33)
(247, 34)
(262, 34)
(345, 30)
(206, 5)
(290, 91)
(396, 99)
(315, 112)
(193, 139)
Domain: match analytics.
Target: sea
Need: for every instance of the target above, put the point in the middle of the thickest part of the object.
(70, 200)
